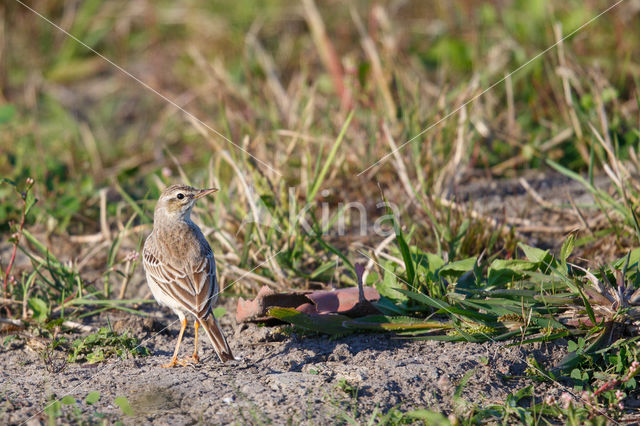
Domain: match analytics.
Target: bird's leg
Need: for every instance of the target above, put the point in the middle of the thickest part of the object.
(195, 357)
(174, 358)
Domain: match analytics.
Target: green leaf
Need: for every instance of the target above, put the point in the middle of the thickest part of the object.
(576, 374)
(572, 346)
(387, 306)
(425, 300)
(53, 410)
(390, 323)
(68, 400)
(92, 397)
(319, 178)
(123, 403)
(134, 205)
(463, 382)
(434, 262)
(454, 270)
(429, 417)
(534, 254)
(327, 323)
(406, 254)
(634, 259)
(39, 307)
(219, 312)
(322, 269)
(504, 271)
(6, 113)
(567, 248)
(390, 283)
(587, 307)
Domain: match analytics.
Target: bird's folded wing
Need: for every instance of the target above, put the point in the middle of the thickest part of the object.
(192, 285)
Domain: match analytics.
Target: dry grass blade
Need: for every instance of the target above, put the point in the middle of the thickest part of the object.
(327, 52)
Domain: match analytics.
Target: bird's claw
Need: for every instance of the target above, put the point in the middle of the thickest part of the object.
(175, 362)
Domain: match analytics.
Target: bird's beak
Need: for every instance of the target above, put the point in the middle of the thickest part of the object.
(204, 192)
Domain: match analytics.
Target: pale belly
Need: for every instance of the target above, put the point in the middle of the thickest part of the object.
(164, 299)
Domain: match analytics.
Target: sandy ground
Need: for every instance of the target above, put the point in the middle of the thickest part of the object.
(282, 378)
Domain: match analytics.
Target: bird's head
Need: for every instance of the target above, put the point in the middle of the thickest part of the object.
(176, 201)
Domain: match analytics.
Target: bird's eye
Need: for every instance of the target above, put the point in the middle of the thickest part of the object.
(180, 196)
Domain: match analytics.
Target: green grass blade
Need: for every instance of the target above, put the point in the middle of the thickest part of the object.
(317, 182)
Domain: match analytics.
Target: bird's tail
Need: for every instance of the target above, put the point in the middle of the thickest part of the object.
(211, 327)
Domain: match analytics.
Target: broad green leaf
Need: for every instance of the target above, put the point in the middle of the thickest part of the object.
(92, 397)
(123, 403)
(534, 254)
(39, 307)
(634, 259)
(390, 283)
(456, 269)
(68, 400)
(504, 271)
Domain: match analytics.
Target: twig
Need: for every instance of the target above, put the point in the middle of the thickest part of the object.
(583, 220)
(78, 326)
(401, 168)
(534, 194)
(104, 226)
(99, 237)
(13, 322)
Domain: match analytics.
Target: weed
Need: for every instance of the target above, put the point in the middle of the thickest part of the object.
(53, 362)
(104, 344)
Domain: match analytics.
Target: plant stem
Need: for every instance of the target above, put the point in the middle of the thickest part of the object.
(14, 251)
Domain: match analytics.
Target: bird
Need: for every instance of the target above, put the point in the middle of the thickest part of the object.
(181, 270)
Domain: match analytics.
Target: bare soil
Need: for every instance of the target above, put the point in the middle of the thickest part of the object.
(282, 377)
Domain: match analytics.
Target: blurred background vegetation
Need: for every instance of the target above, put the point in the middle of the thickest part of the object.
(76, 124)
(279, 80)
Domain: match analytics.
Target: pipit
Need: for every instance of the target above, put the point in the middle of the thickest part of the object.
(181, 269)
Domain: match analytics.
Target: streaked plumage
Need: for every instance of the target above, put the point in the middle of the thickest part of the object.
(180, 266)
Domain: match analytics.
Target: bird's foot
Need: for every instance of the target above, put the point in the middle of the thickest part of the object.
(185, 362)
(195, 358)
(174, 362)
